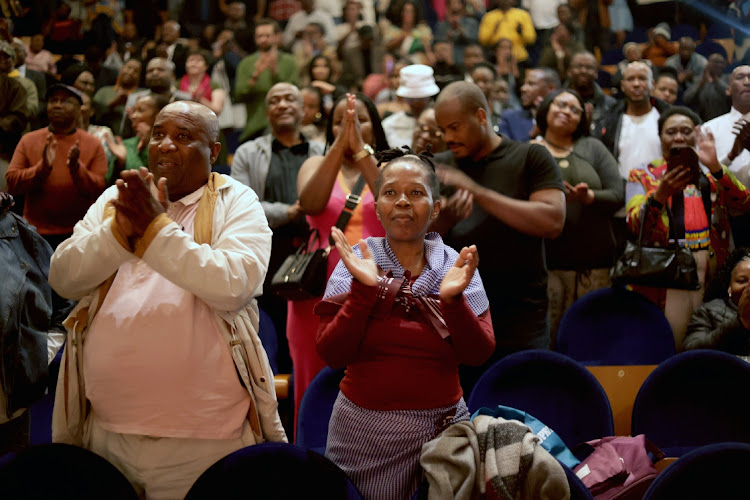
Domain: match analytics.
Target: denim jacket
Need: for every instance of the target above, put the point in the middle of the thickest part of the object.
(25, 312)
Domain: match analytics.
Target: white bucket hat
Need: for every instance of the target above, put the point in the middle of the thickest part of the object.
(417, 81)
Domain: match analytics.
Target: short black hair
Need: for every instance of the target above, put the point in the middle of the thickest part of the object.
(550, 76)
(406, 155)
(267, 21)
(718, 285)
(667, 71)
(678, 110)
(484, 64)
(541, 113)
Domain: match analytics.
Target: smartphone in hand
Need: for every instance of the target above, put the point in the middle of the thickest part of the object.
(687, 157)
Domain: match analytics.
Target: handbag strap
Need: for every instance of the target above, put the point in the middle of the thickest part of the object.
(351, 204)
(677, 222)
(644, 211)
(705, 188)
(309, 244)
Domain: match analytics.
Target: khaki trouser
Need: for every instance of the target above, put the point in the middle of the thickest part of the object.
(160, 468)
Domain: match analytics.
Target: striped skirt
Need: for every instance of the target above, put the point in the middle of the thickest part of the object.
(380, 450)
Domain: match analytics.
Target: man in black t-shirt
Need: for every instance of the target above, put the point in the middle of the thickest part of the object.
(508, 197)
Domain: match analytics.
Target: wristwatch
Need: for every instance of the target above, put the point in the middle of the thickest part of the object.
(366, 151)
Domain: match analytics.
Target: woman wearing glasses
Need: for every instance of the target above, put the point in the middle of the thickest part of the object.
(580, 258)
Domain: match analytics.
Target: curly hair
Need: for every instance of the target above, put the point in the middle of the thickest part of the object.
(407, 155)
(719, 285)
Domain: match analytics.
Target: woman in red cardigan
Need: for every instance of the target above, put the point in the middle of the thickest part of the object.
(400, 313)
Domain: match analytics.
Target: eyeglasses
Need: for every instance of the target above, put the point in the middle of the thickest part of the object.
(429, 130)
(563, 105)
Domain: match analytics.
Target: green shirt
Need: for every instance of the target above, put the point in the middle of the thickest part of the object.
(254, 96)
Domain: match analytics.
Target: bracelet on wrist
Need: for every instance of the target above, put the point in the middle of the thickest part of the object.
(654, 203)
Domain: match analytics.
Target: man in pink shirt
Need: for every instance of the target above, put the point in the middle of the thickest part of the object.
(166, 276)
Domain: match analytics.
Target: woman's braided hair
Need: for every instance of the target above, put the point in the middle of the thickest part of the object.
(423, 159)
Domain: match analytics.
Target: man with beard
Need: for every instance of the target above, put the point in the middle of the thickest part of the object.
(109, 101)
(517, 124)
(509, 197)
(258, 72)
(732, 152)
(582, 78)
(160, 78)
(60, 170)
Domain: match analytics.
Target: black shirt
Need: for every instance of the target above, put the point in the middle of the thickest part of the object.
(281, 186)
(281, 181)
(511, 263)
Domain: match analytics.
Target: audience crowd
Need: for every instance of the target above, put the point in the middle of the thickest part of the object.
(173, 153)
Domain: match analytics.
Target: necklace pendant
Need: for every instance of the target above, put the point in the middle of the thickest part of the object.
(564, 163)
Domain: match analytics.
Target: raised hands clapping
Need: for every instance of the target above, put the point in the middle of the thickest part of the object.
(459, 276)
(349, 139)
(363, 270)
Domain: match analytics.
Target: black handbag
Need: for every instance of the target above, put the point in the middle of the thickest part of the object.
(302, 275)
(662, 267)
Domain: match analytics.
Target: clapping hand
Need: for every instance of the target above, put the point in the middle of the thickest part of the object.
(363, 270)
(707, 149)
(741, 129)
(116, 146)
(143, 131)
(135, 206)
(459, 276)
(454, 177)
(49, 153)
(459, 206)
(580, 193)
(73, 154)
(349, 140)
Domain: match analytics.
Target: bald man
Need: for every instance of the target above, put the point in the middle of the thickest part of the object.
(170, 272)
(508, 198)
(171, 47)
(729, 150)
(629, 129)
(269, 165)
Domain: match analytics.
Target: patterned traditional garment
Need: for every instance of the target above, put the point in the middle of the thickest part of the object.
(728, 196)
